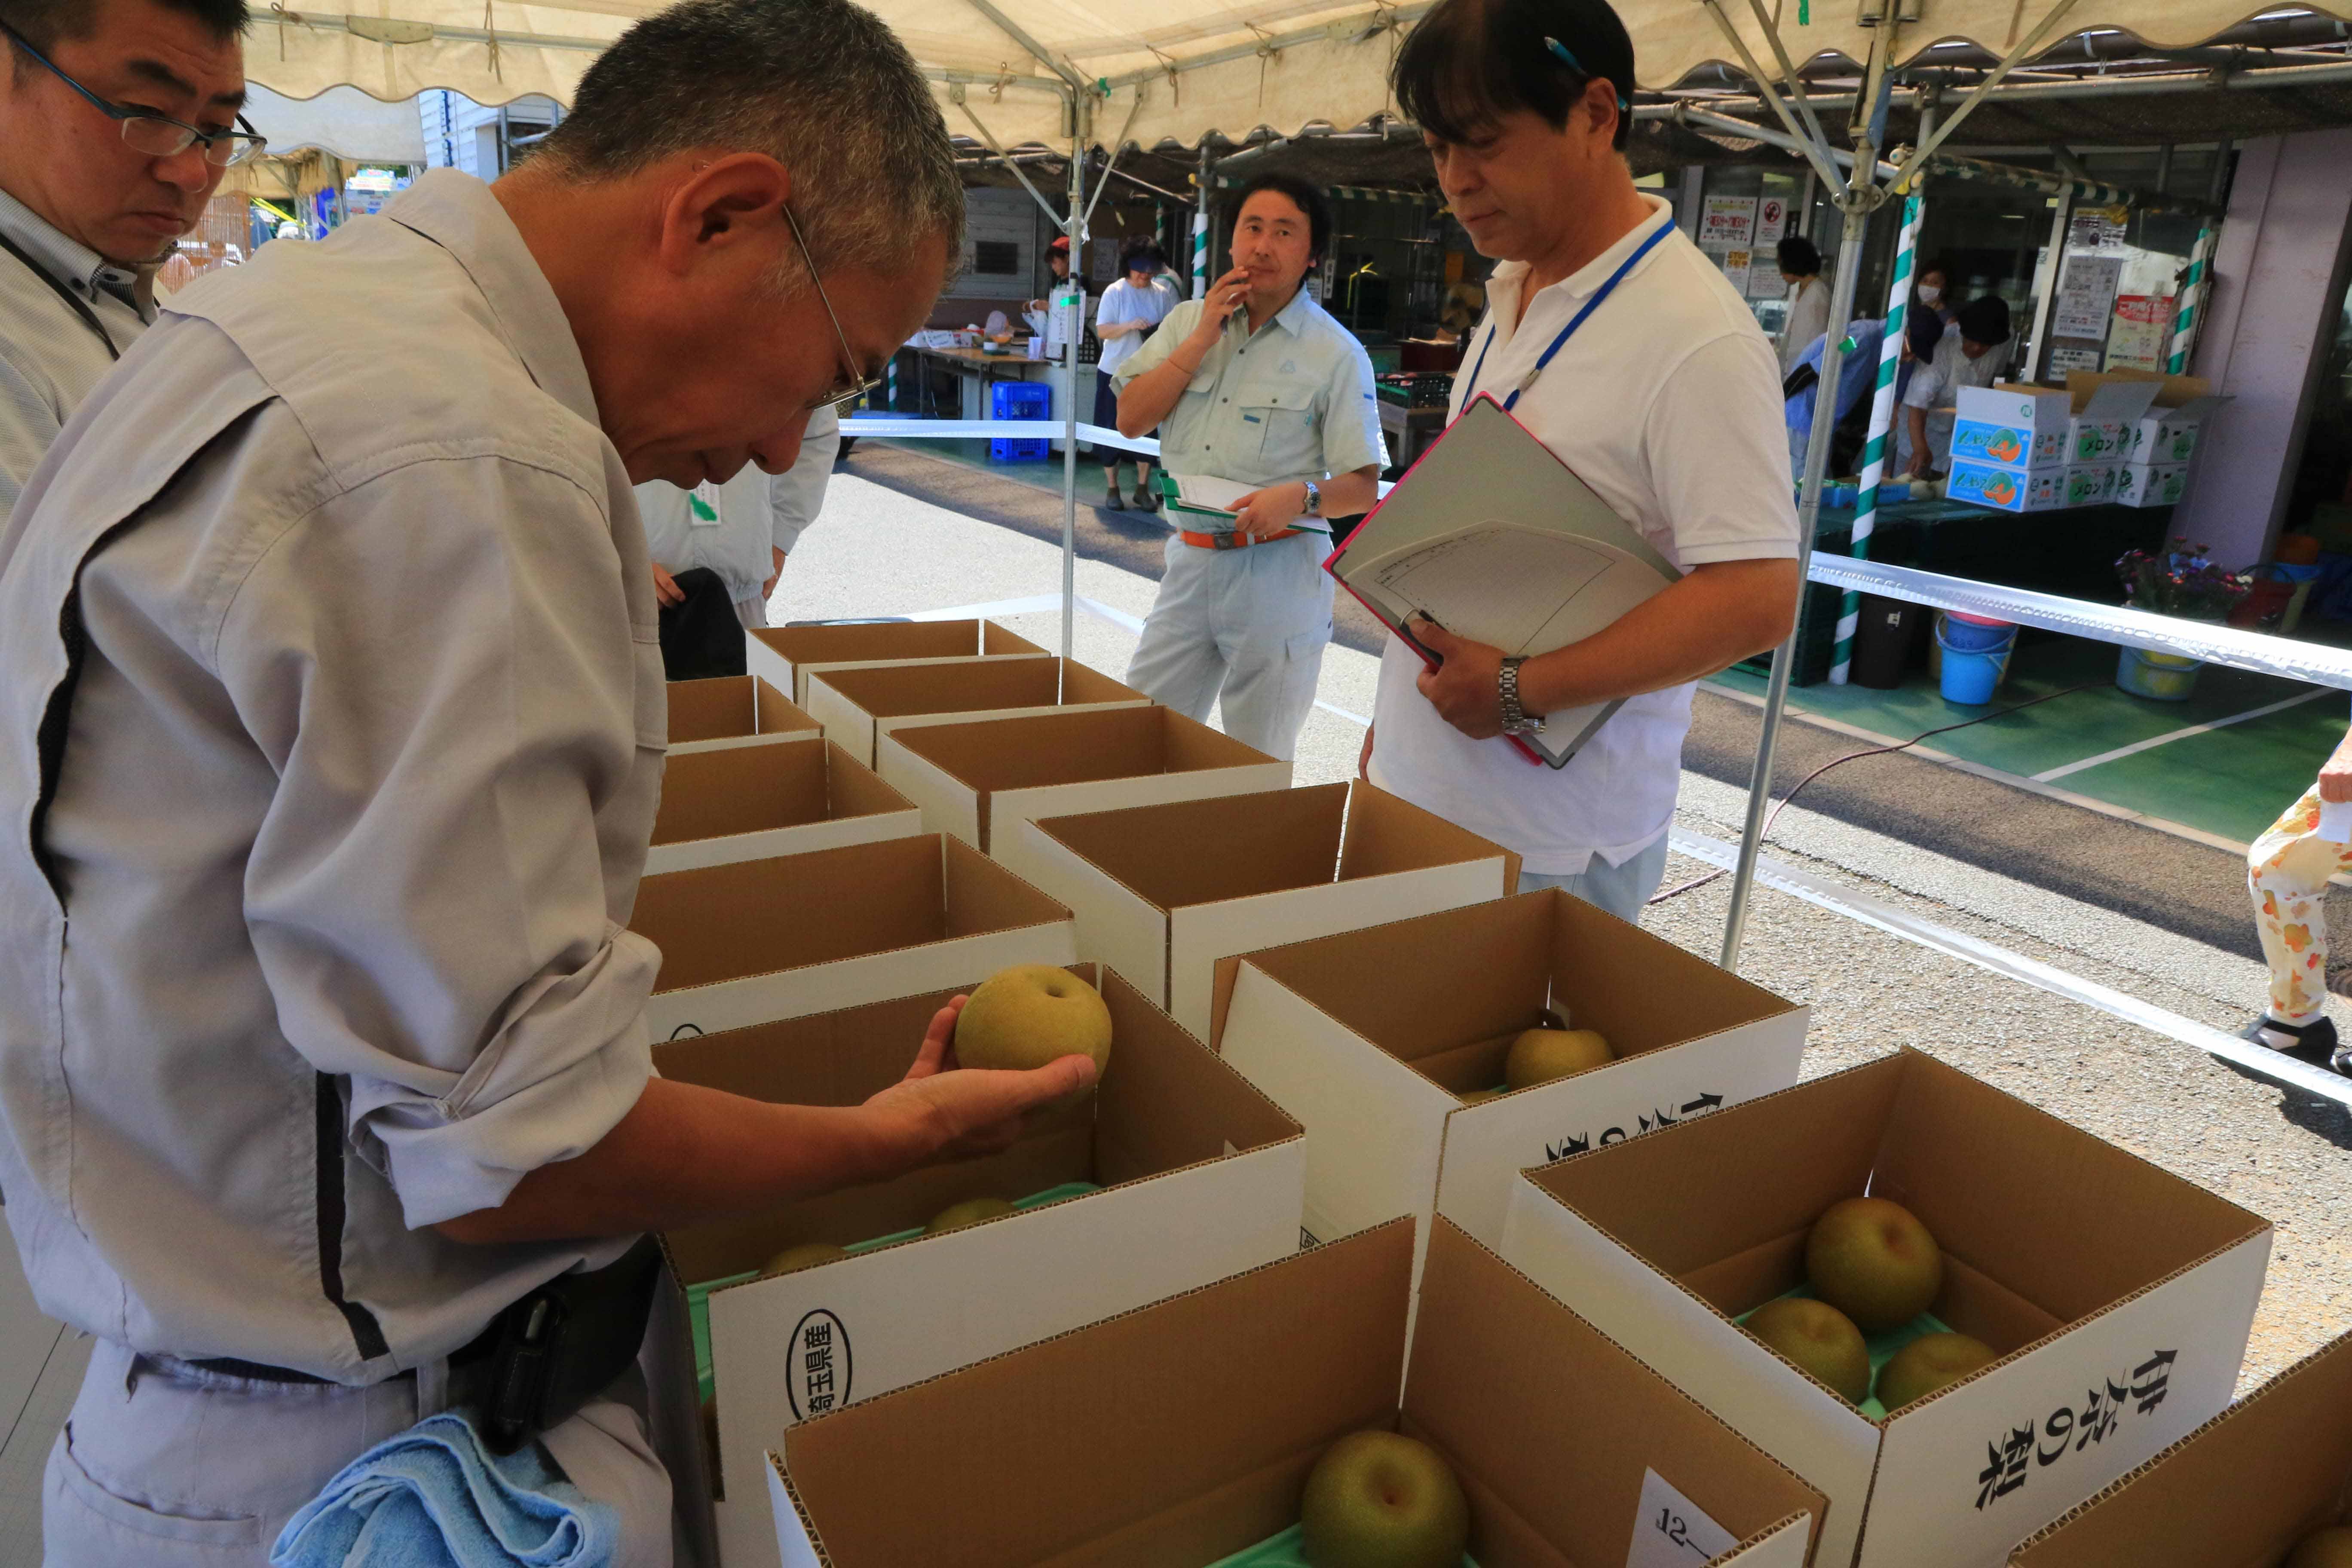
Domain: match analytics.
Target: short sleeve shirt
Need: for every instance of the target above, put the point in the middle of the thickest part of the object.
(1667, 403)
(1292, 401)
(1123, 302)
(1934, 386)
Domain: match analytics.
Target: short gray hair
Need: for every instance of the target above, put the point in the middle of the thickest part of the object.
(823, 86)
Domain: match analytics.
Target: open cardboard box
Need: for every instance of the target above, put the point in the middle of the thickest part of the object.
(857, 707)
(1162, 892)
(2239, 1492)
(2166, 429)
(761, 940)
(732, 711)
(787, 655)
(970, 779)
(1183, 1433)
(2151, 484)
(754, 803)
(2106, 408)
(1370, 1038)
(2086, 1266)
(1199, 1176)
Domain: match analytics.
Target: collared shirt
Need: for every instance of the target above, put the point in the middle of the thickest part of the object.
(1667, 403)
(49, 359)
(343, 775)
(1936, 387)
(1809, 318)
(1291, 401)
(732, 527)
(1123, 302)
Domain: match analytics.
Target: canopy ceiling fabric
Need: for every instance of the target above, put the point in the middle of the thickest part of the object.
(1279, 65)
(343, 121)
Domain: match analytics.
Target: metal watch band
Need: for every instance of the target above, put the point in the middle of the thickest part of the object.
(1515, 718)
(1314, 499)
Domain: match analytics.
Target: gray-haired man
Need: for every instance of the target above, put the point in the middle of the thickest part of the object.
(331, 717)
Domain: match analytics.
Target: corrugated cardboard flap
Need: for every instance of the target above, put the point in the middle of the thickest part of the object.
(893, 691)
(751, 789)
(1076, 747)
(727, 706)
(1099, 1447)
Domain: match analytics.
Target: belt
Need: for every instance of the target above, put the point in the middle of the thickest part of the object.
(1235, 540)
(542, 1357)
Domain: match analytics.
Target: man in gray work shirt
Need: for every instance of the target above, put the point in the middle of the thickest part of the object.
(117, 120)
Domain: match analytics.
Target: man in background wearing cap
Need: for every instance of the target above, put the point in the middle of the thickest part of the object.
(1964, 357)
(1662, 393)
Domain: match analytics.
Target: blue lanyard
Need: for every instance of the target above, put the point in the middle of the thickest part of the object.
(1565, 333)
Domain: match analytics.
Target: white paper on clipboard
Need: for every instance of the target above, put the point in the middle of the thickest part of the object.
(1497, 540)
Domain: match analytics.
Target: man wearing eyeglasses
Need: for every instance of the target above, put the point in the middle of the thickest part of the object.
(333, 720)
(117, 121)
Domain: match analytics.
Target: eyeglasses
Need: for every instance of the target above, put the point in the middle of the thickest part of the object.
(158, 135)
(859, 382)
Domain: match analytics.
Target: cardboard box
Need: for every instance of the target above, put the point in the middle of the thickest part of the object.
(2103, 409)
(2090, 484)
(1183, 1433)
(758, 940)
(731, 711)
(2165, 430)
(755, 803)
(786, 654)
(1199, 1175)
(2087, 1267)
(1162, 892)
(858, 706)
(2011, 425)
(2241, 1490)
(970, 779)
(1370, 1037)
(2151, 484)
(2007, 490)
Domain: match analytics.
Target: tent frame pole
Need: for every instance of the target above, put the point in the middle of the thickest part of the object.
(1075, 227)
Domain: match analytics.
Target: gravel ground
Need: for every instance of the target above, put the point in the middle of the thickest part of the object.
(2282, 1153)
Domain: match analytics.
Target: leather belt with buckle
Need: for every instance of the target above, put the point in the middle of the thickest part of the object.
(1234, 540)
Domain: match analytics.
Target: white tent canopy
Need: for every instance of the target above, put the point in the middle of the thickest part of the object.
(1185, 68)
(343, 121)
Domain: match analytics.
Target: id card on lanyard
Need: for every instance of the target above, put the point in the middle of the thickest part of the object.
(1494, 328)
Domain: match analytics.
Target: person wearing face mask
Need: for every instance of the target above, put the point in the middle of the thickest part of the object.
(1967, 355)
(1620, 347)
(333, 716)
(1257, 385)
(118, 119)
(1925, 323)
(1809, 298)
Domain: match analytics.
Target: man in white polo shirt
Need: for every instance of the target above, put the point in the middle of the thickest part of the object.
(1661, 393)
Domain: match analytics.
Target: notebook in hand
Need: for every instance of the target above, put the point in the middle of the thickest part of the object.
(1497, 540)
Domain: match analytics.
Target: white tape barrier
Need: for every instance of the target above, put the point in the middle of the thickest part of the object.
(883, 427)
(2206, 640)
(1856, 905)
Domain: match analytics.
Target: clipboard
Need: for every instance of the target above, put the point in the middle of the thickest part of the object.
(1494, 538)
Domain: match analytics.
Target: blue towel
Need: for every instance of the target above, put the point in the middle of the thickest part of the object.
(432, 1497)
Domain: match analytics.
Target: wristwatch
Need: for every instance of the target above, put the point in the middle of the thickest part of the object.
(1314, 507)
(1515, 718)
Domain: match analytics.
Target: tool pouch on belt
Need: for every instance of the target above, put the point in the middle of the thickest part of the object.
(563, 1344)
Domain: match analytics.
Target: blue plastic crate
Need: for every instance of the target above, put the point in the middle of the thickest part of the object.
(1019, 400)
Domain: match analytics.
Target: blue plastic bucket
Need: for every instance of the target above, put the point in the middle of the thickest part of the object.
(2160, 677)
(1974, 634)
(1970, 674)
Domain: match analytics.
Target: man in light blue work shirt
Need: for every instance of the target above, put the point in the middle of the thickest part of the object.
(1257, 385)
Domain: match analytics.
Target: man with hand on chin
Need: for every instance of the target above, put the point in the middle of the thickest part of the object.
(1254, 383)
(1660, 392)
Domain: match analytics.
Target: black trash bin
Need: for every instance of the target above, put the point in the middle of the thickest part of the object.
(1882, 641)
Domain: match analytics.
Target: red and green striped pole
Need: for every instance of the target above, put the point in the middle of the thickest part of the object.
(1882, 424)
(2192, 299)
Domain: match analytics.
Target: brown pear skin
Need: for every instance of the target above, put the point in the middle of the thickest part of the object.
(1818, 1338)
(971, 1211)
(2329, 1548)
(807, 1255)
(1539, 1055)
(1871, 1260)
(1927, 1363)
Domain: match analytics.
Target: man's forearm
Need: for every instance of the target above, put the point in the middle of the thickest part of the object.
(1916, 419)
(1352, 493)
(1151, 396)
(1711, 618)
(685, 1153)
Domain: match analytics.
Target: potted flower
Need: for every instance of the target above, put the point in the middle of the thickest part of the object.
(2178, 580)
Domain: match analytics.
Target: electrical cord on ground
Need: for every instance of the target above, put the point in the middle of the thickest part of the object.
(1774, 815)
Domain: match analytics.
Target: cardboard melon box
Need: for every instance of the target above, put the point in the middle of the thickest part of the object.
(758, 940)
(1181, 1434)
(1372, 1037)
(1187, 1176)
(754, 803)
(732, 711)
(1162, 892)
(2240, 1490)
(973, 780)
(788, 655)
(2118, 1297)
(857, 707)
